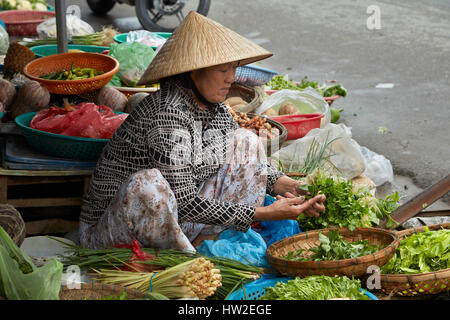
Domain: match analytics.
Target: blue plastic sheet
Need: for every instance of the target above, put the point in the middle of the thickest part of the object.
(250, 247)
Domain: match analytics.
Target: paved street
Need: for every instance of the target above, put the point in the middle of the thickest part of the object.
(408, 123)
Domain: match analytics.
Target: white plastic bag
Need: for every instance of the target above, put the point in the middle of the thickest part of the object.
(75, 26)
(378, 167)
(307, 101)
(148, 38)
(4, 41)
(346, 157)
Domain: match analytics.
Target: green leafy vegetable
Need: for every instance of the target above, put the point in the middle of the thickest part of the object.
(422, 252)
(281, 82)
(344, 205)
(334, 247)
(316, 288)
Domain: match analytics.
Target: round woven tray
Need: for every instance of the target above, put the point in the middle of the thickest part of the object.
(95, 290)
(348, 267)
(417, 284)
(63, 61)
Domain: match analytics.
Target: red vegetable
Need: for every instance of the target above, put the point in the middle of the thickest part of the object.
(86, 120)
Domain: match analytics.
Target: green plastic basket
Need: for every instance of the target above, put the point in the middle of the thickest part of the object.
(122, 38)
(59, 145)
(49, 49)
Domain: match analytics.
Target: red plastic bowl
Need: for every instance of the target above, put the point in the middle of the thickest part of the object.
(300, 124)
(24, 22)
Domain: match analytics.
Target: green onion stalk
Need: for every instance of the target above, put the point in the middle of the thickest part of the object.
(233, 272)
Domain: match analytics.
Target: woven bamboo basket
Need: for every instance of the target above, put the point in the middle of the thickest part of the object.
(388, 240)
(416, 284)
(96, 290)
(63, 61)
(251, 95)
(11, 221)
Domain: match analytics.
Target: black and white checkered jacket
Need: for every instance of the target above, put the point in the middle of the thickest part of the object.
(166, 124)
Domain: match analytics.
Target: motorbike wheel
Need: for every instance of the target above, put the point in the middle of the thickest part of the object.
(156, 18)
(100, 7)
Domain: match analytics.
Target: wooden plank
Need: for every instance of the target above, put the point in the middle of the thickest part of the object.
(45, 202)
(3, 189)
(49, 226)
(19, 181)
(44, 173)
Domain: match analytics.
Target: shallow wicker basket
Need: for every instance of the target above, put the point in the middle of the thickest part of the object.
(63, 61)
(24, 22)
(417, 284)
(349, 267)
(95, 290)
(252, 96)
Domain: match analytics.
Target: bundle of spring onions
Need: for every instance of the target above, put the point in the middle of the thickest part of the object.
(195, 278)
(233, 273)
(100, 38)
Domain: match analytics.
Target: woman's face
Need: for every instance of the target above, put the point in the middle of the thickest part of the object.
(215, 82)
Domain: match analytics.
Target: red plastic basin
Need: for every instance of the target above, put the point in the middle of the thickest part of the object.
(300, 124)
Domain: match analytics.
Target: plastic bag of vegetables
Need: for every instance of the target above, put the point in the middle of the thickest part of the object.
(20, 279)
(4, 41)
(75, 26)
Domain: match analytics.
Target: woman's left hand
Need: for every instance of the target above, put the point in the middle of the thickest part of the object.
(286, 184)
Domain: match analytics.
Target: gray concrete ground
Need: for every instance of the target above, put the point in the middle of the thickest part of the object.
(324, 40)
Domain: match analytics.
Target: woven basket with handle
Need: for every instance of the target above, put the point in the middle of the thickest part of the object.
(417, 284)
(387, 240)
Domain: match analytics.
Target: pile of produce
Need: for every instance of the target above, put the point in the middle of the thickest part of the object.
(334, 247)
(345, 205)
(72, 74)
(420, 253)
(86, 120)
(281, 82)
(232, 273)
(261, 127)
(101, 38)
(40, 5)
(195, 278)
(316, 288)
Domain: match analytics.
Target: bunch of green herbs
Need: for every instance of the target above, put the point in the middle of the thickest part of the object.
(422, 252)
(334, 247)
(316, 288)
(282, 82)
(345, 206)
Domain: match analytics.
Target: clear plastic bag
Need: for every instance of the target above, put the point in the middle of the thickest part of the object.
(134, 59)
(41, 283)
(148, 38)
(346, 157)
(306, 101)
(4, 41)
(378, 167)
(75, 26)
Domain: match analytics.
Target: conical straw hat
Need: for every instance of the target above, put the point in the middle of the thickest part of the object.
(200, 42)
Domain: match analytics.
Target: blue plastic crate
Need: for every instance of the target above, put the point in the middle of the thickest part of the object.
(252, 75)
(256, 289)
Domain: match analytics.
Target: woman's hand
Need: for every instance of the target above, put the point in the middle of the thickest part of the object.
(290, 207)
(286, 185)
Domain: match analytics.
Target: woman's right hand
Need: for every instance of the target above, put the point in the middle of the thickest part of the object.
(289, 208)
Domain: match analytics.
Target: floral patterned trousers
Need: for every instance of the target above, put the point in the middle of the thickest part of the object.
(145, 207)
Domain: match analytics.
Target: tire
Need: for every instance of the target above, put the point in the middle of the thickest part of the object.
(145, 17)
(101, 7)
